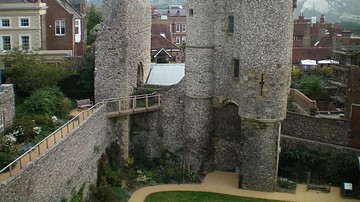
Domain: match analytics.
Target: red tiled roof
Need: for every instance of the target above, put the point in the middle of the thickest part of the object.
(321, 53)
(160, 27)
(158, 42)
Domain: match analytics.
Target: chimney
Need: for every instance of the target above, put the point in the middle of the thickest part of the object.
(301, 16)
(346, 33)
(322, 19)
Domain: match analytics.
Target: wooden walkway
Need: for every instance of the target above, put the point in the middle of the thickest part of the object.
(132, 105)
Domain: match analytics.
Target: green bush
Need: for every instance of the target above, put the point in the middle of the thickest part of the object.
(48, 102)
(296, 73)
(287, 184)
(327, 71)
(313, 87)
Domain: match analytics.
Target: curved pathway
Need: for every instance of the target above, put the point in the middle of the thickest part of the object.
(226, 183)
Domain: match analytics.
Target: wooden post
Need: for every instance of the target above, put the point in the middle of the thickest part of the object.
(134, 104)
(146, 101)
(159, 101)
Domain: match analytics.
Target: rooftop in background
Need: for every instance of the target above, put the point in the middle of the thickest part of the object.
(166, 74)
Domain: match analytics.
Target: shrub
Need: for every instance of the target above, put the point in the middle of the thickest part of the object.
(48, 102)
(312, 86)
(296, 73)
(287, 184)
(327, 71)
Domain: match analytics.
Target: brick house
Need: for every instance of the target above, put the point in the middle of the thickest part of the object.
(66, 26)
(170, 23)
(313, 39)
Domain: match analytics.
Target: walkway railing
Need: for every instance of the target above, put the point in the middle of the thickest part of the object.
(46, 144)
(132, 105)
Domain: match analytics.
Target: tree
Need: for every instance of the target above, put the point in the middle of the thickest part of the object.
(313, 87)
(93, 18)
(29, 71)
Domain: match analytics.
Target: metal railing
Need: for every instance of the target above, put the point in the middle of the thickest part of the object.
(47, 143)
(132, 105)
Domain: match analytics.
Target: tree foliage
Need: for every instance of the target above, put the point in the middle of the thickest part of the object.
(29, 71)
(313, 87)
(93, 18)
(47, 101)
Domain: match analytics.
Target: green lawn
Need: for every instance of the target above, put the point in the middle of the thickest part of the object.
(198, 197)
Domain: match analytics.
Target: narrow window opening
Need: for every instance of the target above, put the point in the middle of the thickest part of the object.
(231, 23)
(236, 68)
(191, 12)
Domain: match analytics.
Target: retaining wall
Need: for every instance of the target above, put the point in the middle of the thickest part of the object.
(327, 130)
(64, 168)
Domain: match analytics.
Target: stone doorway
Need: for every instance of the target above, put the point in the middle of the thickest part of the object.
(227, 138)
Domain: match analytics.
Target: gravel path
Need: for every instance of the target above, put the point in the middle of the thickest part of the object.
(226, 183)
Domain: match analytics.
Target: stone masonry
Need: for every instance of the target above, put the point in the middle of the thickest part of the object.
(238, 52)
(122, 48)
(7, 104)
(71, 163)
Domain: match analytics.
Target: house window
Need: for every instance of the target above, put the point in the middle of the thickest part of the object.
(25, 42)
(24, 22)
(230, 23)
(2, 123)
(77, 30)
(5, 22)
(178, 28)
(5, 42)
(60, 27)
(178, 40)
(183, 28)
(236, 68)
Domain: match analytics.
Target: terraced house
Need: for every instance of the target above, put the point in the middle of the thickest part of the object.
(21, 24)
(53, 28)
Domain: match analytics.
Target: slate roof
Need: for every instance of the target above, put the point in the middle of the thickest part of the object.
(171, 12)
(13, 1)
(69, 8)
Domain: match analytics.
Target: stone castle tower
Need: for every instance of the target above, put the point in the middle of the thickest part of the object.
(240, 52)
(238, 65)
(122, 48)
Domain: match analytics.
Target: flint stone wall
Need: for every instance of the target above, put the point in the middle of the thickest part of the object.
(333, 131)
(7, 104)
(67, 166)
